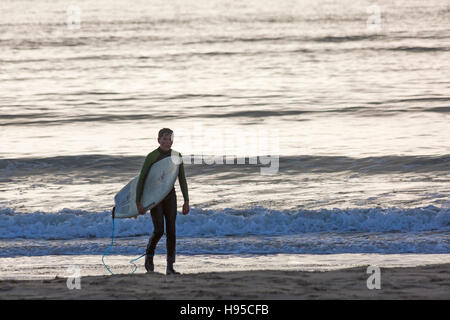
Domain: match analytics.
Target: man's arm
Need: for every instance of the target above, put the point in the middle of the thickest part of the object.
(183, 183)
(184, 187)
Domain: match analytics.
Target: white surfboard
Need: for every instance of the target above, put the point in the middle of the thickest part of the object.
(160, 181)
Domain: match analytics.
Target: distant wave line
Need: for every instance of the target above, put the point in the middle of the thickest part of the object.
(109, 165)
(56, 118)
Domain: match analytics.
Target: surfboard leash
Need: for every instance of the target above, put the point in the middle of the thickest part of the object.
(112, 242)
(132, 261)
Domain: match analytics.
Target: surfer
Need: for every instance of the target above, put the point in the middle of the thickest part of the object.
(167, 208)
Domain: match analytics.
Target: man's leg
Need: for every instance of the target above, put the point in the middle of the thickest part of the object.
(158, 230)
(170, 212)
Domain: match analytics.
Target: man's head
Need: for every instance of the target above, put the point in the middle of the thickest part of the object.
(165, 139)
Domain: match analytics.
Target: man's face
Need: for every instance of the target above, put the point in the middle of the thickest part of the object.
(165, 142)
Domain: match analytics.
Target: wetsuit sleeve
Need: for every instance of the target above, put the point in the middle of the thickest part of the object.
(149, 161)
(182, 180)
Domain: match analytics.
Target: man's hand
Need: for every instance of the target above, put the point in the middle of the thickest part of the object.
(186, 207)
(140, 208)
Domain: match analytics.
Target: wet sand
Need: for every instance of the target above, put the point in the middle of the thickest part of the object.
(422, 282)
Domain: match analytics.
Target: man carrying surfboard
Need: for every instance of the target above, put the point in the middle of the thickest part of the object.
(167, 208)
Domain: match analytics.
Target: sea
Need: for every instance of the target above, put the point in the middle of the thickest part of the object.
(315, 133)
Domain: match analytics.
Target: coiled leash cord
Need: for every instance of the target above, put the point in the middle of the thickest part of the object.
(132, 261)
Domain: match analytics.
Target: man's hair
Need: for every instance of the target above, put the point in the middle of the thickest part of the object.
(164, 131)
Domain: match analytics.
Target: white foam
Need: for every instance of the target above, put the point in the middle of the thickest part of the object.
(73, 224)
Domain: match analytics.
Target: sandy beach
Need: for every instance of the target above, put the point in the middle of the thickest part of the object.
(314, 139)
(422, 282)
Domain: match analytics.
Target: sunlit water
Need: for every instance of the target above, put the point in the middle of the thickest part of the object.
(346, 102)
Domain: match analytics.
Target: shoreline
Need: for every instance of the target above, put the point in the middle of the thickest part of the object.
(419, 282)
(51, 266)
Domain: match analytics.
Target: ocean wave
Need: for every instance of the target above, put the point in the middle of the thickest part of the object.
(258, 221)
(55, 119)
(247, 110)
(98, 165)
(418, 49)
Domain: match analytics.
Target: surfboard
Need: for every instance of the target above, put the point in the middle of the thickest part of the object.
(160, 181)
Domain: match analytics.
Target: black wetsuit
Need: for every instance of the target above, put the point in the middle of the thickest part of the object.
(166, 209)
